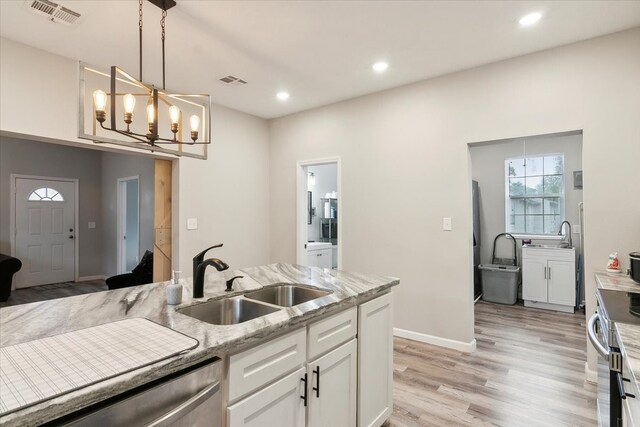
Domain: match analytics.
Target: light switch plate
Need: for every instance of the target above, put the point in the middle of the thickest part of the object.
(446, 224)
(192, 223)
(91, 225)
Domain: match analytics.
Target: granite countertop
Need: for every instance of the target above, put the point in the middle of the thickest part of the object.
(616, 282)
(28, 322)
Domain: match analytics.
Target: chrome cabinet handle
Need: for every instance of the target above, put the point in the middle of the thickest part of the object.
(591, 333)
(180, 411)
(549, 273)
(545, 272)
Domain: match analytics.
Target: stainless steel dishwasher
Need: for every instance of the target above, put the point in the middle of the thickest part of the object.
(187, 398)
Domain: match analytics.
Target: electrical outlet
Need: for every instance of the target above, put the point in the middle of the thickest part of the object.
(192, 223)
(446, 224)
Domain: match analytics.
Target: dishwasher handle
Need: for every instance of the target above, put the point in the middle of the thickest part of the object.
(593, 337)
(186, 407)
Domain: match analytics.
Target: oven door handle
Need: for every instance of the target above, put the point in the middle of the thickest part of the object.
(593, 337)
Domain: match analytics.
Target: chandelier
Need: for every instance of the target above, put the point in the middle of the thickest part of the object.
(114, 109)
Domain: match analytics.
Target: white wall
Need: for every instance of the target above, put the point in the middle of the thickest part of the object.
(405, 165)
(228, 193)
(487, 161)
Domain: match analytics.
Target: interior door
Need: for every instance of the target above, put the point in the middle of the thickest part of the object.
(333, 388)
(45, 231)
(162, 221)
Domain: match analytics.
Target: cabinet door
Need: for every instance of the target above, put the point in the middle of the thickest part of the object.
(333, 393)
(279, 405)
(375, 361)
(312, 259)
(324, 258)
(534, 279)
(562, 282)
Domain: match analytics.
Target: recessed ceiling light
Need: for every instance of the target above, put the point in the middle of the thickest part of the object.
(283, 96)
(380, 66)
(530, 19)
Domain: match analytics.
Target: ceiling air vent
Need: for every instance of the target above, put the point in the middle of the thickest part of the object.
(232, 80)
(53, 11)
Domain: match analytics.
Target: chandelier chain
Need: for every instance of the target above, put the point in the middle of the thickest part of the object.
(162, 25)
(140, 36)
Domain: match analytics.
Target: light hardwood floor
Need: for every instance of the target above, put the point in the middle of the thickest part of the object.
(528, 370)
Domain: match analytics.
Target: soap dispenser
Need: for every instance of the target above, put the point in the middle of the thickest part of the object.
(174, 289)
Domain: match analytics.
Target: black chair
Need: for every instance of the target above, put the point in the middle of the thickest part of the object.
(140, 275)
(8, 267)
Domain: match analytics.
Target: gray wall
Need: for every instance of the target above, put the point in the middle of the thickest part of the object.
(326, 182)
(487, 162)
(42, 159)
(116, 166)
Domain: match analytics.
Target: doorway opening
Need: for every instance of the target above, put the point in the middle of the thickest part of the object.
(128, 223)
(319, 223)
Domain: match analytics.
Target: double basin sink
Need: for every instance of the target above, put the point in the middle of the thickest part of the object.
(234, 310)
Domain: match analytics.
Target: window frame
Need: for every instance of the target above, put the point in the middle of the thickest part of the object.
(46, 198)
(507, 197)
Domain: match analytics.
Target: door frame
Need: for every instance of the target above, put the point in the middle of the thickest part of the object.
(120, 261)
(76, 216)
(301, 206)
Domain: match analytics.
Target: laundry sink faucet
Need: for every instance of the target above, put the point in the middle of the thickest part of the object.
(199, 267)
(560, 231)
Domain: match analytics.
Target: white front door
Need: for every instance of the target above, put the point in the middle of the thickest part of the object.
(45, 231)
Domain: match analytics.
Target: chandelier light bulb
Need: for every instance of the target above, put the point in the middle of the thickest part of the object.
(174, 113)
(151, 114)
(100, 104)
(195, 123)
(129, 103)
(100, 100)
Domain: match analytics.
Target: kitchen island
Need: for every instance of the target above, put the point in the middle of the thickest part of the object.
(28, 322)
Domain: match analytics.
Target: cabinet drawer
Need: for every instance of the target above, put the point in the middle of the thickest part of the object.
(279, 404)
(261, 365)
(331, 332)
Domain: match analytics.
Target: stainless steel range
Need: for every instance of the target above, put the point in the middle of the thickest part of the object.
(613, 307)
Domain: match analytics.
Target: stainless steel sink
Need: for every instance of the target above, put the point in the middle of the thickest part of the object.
(286, 295)
(228, 311)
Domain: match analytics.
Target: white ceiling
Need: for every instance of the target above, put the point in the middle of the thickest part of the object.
(319, 51)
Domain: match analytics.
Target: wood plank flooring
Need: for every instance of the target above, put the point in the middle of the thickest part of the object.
(528, 370)
(57, 290)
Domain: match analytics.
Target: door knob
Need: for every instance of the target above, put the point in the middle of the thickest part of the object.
(71, 230)
(71, 237)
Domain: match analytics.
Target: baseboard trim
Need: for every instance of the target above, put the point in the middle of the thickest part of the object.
(591, 376)
(466, 347)
(86, 278)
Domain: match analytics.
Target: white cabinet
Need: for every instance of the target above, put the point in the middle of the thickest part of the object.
(319, 254)
(343, 364)
(279, 404)
(549, 278)
(375, 361)
(333, 388)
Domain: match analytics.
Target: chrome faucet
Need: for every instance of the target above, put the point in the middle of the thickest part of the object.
(199, 267)
(560, 231)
